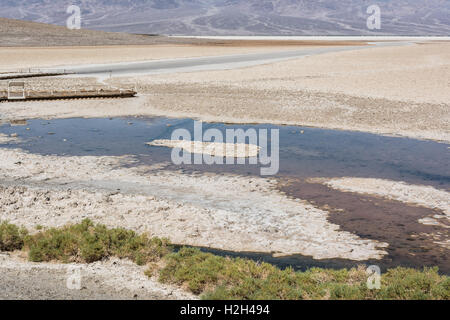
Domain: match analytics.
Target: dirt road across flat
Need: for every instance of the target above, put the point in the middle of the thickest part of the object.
(222, 62)
(12, 58)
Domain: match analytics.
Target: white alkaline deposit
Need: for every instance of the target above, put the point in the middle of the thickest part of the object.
(226, 212)
(215, 149)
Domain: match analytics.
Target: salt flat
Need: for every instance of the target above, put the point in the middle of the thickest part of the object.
(385, 90)
(12, 58)
(388, 90)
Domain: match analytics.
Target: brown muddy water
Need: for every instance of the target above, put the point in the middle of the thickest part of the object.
(410, 242)
(304, 153)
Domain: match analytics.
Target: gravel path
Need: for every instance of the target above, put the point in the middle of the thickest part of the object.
(110, 280)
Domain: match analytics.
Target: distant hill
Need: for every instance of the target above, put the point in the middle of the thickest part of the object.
(241, 17)
(32, 34)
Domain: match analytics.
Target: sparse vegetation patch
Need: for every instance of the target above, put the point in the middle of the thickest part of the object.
(215, 277)
(83, 242)
(11, 237)
(220, 278)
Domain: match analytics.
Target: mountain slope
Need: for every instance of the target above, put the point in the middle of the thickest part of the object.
(241, 17)
(17, 33)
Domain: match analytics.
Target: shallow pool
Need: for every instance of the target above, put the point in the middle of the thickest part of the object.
(304, 152)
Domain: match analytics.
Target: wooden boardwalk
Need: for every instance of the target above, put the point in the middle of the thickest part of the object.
(70, 94)
(11, 76)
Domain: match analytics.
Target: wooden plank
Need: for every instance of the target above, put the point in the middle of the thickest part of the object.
(79, 94)
(28, 75)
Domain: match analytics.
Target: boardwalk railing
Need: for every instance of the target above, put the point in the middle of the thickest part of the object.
(31, 73)
(14, 95)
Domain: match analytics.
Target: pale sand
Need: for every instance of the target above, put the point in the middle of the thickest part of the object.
(12, 58)
(232, 105)
(214, 149)
(417, 73)
(219, 211)
(391, 91)
(425, 196)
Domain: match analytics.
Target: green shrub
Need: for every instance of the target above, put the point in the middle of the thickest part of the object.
(225, 278)
(11, 237)
(410, 284)
(219, 278)
(87, 242)
(216, 277)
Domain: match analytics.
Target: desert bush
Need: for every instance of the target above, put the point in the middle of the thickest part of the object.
(11, 237)
(220, 278)
(411, 284)
(215, 277)
(88, 242)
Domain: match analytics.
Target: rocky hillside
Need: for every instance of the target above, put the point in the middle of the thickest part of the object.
(241, 17)
(32, 34)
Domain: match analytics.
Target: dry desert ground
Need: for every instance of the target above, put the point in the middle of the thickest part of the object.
(401, 91)
(390, 90)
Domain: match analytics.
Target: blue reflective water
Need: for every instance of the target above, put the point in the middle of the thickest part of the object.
(304, 152)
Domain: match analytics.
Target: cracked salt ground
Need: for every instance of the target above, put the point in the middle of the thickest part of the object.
(53, 191)
(206, 206)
